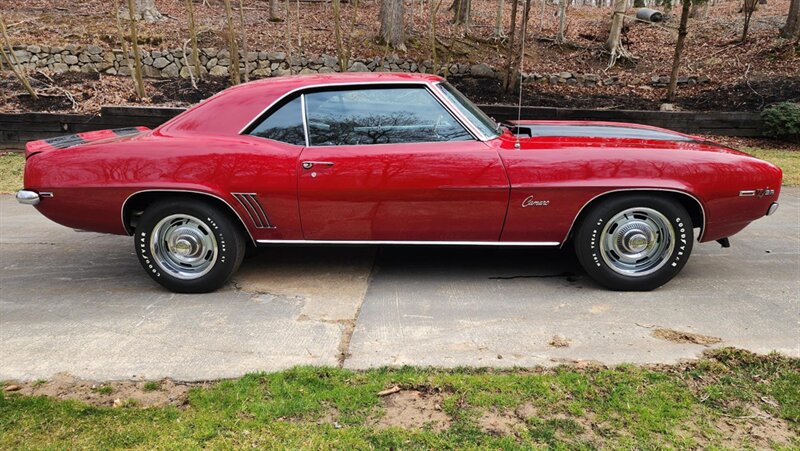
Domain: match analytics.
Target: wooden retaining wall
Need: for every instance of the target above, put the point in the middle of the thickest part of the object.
(17, 129)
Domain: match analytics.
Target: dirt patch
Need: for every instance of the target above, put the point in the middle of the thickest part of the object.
(760, 430)
(677, 336)
(559, 342)
(500, 423)
(165, 392)
(413, 409)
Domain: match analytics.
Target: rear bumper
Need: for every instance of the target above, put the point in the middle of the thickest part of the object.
(28, 197)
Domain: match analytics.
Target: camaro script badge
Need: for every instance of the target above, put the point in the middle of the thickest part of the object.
(530, 202)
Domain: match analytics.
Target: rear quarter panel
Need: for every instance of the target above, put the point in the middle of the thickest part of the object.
(90, 183)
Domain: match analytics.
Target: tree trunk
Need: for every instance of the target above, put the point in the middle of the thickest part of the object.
(515, 72)
(233, 47)
(510, 54)
(273, 11)
(137, 59)
(676, 60)
(748, 8)
(498, 20)
(244, 41)
(614, 42)
(193, 37)
(337, 28)
(792, 28)
(392, 33)
(638, 3)
(461, 11)
(562, 21)
(143, 10)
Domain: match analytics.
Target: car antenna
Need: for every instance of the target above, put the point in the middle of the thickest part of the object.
(521, 65)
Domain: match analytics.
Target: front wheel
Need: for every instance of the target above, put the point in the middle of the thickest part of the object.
(634, 243)
(188, 246)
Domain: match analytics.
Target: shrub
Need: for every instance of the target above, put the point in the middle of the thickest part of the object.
(782, 121)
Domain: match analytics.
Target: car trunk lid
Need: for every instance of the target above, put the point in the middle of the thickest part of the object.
(77, 139)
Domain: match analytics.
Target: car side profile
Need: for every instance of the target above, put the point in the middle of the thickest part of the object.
(390, 158)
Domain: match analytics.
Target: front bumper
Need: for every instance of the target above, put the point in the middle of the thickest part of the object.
(28, 197)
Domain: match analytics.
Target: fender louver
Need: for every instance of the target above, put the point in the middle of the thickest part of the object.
(254, 208)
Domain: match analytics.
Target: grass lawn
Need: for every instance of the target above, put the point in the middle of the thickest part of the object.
(729, 399)
(787, 160)
(11, 165)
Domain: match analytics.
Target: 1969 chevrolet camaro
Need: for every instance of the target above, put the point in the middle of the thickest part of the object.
(393, 159)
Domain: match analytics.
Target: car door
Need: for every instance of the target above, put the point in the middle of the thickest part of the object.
(391, 163)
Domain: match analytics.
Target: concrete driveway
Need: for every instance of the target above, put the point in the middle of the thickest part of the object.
(79, 303)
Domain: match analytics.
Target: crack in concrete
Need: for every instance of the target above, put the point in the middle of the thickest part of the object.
(350, 325)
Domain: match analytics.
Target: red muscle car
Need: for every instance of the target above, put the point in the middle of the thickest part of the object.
(393, 159)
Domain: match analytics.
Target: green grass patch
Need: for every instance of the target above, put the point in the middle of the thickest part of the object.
(687, 406)
(11, 168)
(788, 160)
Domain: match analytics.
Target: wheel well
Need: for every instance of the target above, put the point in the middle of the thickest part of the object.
(687, 201)
(136, 204)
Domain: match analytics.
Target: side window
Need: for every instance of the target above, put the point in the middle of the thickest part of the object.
(284, 124)
(379, 116)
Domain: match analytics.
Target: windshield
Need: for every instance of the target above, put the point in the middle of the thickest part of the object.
(484, 123)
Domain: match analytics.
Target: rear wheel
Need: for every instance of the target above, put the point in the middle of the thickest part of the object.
(188, 246)
(634, 243)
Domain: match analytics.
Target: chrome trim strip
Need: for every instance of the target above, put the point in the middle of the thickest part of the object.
(248, 209)
(253, 206)
(122, 209)
(474, 131)
(27, 197)
(702, 209)
(416, 243)
(302, 114)
(747, 193)
(445, 101)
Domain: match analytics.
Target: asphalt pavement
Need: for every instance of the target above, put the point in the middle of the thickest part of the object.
(79, 303)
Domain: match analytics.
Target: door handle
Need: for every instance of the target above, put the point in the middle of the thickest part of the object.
(310, 164)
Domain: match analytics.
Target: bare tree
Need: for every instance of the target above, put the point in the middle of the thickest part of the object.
(461, 11)
(12, 62)
(137, 59)
(233, 47)
(124, 43)
(392, 14)
(244, 41)
(273, 11)
(792, 27)
(512, 31)
(337, 28)
(748, 8)
(349, 52)
(562, 21)
(144, 10)
(614, 42)
(676, 59)
(498, 20)
(193, 37)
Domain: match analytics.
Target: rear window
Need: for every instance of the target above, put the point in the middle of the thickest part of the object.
(284, 123)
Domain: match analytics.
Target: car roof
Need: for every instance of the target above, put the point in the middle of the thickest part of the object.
(289, 83)
(230, 110)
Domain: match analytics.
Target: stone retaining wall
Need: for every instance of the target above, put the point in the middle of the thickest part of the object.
(170, 63)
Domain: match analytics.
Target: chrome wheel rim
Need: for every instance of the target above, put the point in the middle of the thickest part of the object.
(183, 246)
(637, 241)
